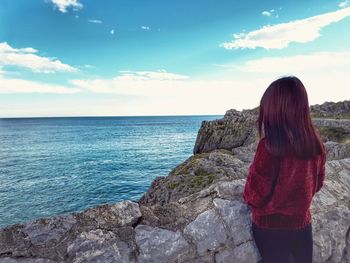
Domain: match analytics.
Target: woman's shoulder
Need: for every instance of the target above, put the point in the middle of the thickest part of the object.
(262, 150)
(262, 145)
(262, 141)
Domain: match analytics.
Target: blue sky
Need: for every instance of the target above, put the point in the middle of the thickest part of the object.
(111, 57)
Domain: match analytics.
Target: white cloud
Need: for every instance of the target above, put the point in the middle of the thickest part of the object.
(27, 58)
(11, 85)
(280, 35)
(144, 83)
(151, 75)
(95, 21)
(324, 74)
(89, 66)
(8, 84)
(145, 27)
(63, 5)
(269, 13)
(316, 62)
(4, 47)
(266, 13)
(162, 92)
(343, 4)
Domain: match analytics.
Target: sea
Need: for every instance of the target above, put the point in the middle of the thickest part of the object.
(53, 166)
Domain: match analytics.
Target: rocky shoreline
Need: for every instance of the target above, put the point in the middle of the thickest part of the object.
(196, 213)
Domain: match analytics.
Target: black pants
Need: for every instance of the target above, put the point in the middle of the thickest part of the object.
(284, 245)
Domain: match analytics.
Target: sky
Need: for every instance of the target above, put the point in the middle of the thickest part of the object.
(160, 57)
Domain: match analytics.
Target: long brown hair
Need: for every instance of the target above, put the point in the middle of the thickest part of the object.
(284, 116)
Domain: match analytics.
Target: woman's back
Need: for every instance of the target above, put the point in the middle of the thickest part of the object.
(300, 179)
(296, 183)
(283, 185)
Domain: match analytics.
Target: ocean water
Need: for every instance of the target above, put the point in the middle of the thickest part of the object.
(52, 166)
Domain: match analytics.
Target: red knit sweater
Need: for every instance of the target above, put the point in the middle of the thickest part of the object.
(280, 190)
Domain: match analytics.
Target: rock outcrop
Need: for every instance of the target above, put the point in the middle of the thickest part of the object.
(331, 110)
(238, 128)
(235, 129)
(196, 213)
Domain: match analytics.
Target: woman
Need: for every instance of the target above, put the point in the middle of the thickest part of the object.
(287, 170)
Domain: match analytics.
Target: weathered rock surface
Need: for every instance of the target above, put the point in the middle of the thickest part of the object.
(339, 109)
(196, 173)
(195, 214)
(336, 151)
(159, 244)
(238, 128)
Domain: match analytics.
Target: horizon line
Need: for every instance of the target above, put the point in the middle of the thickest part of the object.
(106, 116)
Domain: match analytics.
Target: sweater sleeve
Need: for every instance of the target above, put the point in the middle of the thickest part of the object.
(261, 177)
(322, 173)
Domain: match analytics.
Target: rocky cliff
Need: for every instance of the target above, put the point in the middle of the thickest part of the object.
(196, 213)
(339, 110)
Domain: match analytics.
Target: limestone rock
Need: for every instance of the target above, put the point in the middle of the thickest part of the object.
(28, 260)
(329, 233)
(98, 246)
(207, 231)
(244, 253)
(238, 128)
(49, 231)
(124, 213)
(159, 245)
(232, 131)
(47, 238)
(236, 216)
(337, 151)
(196, 173)
(339, 109)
